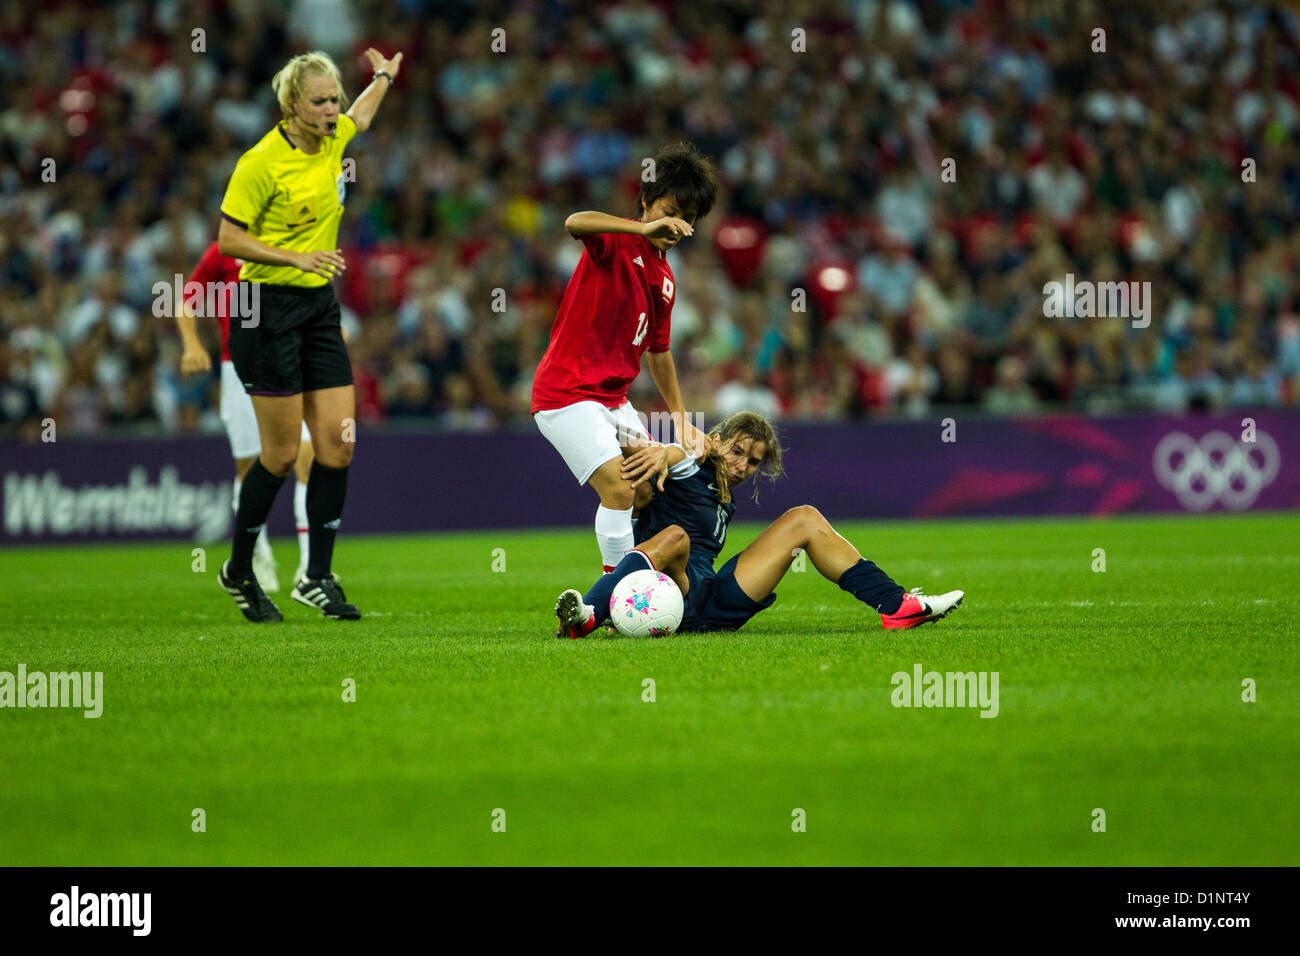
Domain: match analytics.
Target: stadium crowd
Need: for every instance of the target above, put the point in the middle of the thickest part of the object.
(893, 198)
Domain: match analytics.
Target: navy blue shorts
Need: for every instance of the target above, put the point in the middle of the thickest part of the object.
(716, 602)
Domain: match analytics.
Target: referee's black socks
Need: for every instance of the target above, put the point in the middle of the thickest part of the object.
(326, 489)
(255, 500)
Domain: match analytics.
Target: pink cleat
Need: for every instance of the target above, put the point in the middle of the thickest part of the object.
(918, 608)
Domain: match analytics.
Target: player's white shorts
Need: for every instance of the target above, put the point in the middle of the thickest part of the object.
(238, 416)
(587, 434)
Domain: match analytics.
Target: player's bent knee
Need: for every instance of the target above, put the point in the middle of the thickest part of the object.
(336, 455)
(803, 516)
(615, 492)
(617, 497)
(678, 542)
(279, 461)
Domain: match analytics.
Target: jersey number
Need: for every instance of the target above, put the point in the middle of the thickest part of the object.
(642, 326)
(720, 529)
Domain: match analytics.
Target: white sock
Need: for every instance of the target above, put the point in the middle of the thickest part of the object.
(262, 546)
(614, 535)
(300, 519)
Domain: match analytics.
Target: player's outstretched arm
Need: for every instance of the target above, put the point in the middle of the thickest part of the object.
(664, 372)
(363, 110)
(590, 223)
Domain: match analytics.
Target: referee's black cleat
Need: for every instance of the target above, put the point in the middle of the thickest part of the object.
(250, 597)
(325, 595)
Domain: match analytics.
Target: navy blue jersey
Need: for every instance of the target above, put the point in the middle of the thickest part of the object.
(690, 500)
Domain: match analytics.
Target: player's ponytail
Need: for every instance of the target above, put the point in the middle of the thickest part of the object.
(720, 474)
(289, 82)
(738, 427)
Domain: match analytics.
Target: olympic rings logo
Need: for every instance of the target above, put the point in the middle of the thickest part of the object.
(1217, 468)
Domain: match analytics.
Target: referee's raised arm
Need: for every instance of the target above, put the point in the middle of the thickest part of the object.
(363, 110)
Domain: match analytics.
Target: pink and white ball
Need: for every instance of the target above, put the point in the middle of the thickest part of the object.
(646, 604)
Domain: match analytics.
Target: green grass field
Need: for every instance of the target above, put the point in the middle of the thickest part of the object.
(1119, 690)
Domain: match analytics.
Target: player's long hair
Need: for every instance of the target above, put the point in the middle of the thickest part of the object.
(682, 173)
(738, 427)
(289, 82)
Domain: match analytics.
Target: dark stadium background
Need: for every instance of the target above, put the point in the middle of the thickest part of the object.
(923, 297)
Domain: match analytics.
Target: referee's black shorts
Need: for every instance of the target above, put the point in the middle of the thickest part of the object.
(292, 344)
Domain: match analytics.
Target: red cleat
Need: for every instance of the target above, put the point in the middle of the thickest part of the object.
(575, 619)
(918, 608)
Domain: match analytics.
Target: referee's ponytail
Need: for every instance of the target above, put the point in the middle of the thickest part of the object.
(289, 82)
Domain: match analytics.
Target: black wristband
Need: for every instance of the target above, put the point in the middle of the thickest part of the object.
(379, 73)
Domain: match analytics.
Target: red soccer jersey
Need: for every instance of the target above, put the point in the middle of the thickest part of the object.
(214, 267)
(619, 302)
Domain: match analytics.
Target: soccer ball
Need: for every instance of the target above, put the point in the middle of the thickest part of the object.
(646, 604)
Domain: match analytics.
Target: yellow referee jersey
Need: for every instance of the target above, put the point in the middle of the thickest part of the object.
(289, 200)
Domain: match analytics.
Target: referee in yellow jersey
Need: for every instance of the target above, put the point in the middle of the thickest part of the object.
(281, 216)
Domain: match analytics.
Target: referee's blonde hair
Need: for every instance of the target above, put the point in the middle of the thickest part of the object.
(289, 82)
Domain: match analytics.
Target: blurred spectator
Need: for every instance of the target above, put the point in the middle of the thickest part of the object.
(744, 392)
(903, 206)
(461, 410)
(1057, 187)
(890, 276)
(942, 294)
(918, 291)
(956, 386)
(18, 404)
(1010, 395)
(328, 25)
(912, 382)
(105, 307)
(1257, 384)
(408, 392)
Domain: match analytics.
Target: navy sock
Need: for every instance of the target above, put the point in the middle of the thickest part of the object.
(256, 496)
(600, 593)
(326, 488)
(872, 587)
